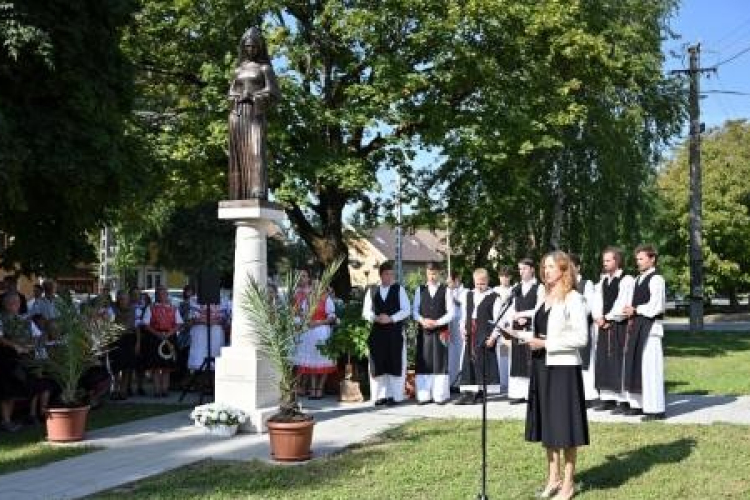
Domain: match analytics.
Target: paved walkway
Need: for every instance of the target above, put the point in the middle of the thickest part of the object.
(149, 447)
(712, 323)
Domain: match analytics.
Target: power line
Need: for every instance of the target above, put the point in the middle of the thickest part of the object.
(733, 32)
(730, 59)
(729, 92)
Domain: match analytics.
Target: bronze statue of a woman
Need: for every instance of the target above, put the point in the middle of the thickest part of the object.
(254, 89)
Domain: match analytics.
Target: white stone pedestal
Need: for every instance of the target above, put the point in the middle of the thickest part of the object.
(244, 378)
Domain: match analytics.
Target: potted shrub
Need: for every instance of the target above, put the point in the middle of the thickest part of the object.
(80, 341)
(349, 341)
(277, 327)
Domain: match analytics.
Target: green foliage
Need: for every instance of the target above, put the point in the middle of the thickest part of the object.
(65, 150)
(414, 280)
(725, 162)
(81, 339)
(275, 326)
(558, 139)
(350, 337)
(18, 37)
(193, 239)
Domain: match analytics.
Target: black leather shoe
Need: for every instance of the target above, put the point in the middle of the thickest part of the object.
(518, 401)
(478, 397)
(605, 406)
(620, 409)
(649, 417)
(381, 401)
(422, 403)
(466, 399)
(632, 412)
(391, 402)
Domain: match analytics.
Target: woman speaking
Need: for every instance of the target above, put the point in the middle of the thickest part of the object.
(556, 413)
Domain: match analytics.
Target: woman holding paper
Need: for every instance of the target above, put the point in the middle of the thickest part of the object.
(556, 413)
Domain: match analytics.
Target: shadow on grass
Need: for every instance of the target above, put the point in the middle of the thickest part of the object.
(706, 344)
(619, 469)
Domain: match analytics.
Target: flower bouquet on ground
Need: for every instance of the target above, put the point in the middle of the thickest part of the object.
(218, 419)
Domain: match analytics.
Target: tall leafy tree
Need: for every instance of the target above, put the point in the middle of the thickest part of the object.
(361, 83)
(65, 151)
(725, 160)
(557, 149)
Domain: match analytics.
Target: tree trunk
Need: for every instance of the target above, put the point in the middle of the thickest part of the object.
(327, 245)
(734, 303)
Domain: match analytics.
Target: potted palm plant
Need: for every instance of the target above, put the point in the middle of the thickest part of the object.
(277, 325)
(80, 340)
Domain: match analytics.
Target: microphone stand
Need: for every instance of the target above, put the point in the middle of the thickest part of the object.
(508, 302)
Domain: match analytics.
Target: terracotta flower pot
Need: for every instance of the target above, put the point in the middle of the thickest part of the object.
(291, 441)
(66, 424)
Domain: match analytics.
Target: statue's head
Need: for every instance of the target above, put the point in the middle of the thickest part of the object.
(253, 47)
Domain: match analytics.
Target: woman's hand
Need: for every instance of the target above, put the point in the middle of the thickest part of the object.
(535, 344)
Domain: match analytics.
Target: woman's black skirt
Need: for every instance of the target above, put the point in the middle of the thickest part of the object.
(123, 357)
(556, 413)
(14, 377)
(150, 346)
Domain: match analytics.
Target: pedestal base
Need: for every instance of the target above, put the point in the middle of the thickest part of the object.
(245, 380)
(244, 377)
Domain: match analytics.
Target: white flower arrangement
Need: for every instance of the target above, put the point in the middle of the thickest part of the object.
(214, 414)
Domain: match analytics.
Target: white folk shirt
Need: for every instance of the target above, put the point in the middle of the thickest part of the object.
(655, 304)
(624, 297)
(432, 290)
(478, 297)
(404, 306)
(503, 292)
(589, 293)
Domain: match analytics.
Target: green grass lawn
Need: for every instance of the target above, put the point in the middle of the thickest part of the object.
(439, 459)
(716, 363)
(28, 448)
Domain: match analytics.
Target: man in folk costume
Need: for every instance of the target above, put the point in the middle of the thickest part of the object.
(456, 347)
(643, 364)
(586, 289)
(481, 309)
(504, 290)
(612, 294)
(432, 310)
(386, 307)
(527, 297)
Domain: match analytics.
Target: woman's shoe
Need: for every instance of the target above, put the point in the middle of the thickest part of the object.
(569, 495)
(550, 490)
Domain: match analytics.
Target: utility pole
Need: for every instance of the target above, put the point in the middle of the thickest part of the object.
(399, 231)
(696, 191)
(448, 244)
(696, 196)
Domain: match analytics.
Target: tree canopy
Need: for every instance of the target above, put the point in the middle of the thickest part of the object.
(549, 116)
(65, 150)
(563, 132)
(725, 162)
